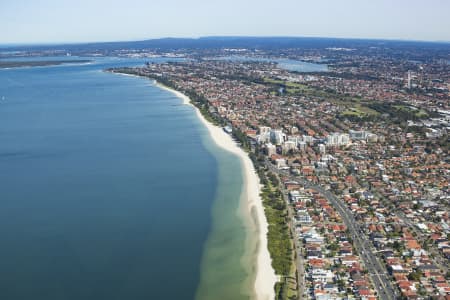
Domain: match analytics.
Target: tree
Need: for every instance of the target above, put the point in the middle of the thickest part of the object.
(334, 247)
(397, 246)
(415, 276)
(341, 284)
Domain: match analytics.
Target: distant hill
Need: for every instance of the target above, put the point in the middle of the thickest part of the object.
(263, 43)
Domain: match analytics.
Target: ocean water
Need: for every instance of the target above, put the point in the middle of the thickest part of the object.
(110, 188)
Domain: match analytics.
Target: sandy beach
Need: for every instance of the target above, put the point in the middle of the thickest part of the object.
(265, 275)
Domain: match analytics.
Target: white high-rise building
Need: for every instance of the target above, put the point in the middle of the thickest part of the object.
(264, 135)
(338, 139)
(322, 148)
(276, 136)
(293, 130)
(293, 138)
(302, 146)
(271, 149)
(308, 139)
(264, 129)
(358, 134)
(263, 138)
(288, 145)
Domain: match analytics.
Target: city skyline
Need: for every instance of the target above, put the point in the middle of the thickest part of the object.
(66, 22)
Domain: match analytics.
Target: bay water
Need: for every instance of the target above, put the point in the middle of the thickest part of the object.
(111, 188)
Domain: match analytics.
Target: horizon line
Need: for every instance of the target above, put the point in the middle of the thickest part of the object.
(60, 43)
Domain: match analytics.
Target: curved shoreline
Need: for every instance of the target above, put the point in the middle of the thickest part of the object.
(265, 277)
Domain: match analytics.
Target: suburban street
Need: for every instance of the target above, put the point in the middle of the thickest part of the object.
(438, 259)
(377, 272)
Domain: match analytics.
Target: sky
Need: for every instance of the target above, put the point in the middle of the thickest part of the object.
(56, 21)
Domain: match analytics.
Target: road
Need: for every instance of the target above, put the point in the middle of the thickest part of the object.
(377, 272)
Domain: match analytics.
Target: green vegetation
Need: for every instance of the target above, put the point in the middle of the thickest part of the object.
(279, 239)
(359, 111)
(415, 276)
(399, 111)
(203, 105)
(356, 107)
(280, 243)
(398, 246)
(300, 89)
(242, 138)
(290, 87)
(347, 75)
